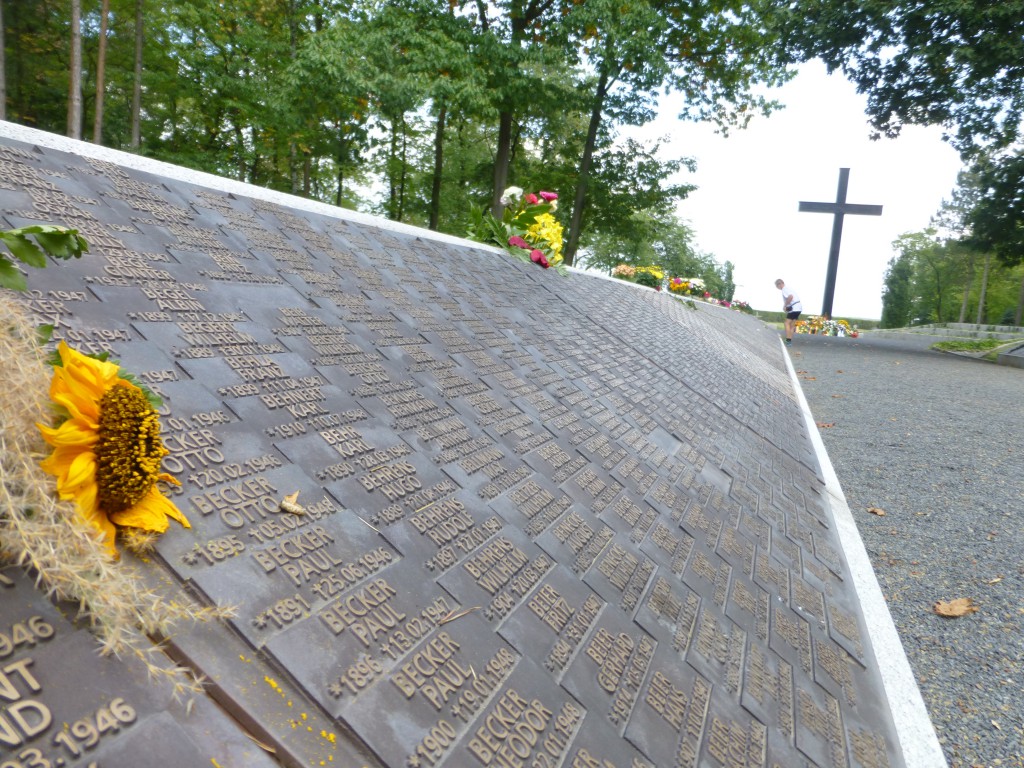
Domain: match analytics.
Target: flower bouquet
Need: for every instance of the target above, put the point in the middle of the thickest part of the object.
(649, 276)
(826, 326)
(528, 230)
(686, 286)
(624, 272)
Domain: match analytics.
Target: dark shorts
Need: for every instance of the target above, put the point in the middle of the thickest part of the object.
(792, 315)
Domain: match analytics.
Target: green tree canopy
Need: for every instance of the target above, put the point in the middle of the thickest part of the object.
(954, 63)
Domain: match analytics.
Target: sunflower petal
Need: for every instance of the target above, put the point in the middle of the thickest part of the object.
(71, 433)
(150, 514)
(81, 470)
(101, 523)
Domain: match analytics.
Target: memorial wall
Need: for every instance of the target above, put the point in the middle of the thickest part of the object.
(541, 521)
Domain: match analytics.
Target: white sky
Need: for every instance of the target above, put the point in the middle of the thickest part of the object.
(749, 186)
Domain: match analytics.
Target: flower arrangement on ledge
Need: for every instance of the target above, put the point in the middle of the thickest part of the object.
(686, 286)
(651, 276)
(825, 326)
(528, 229)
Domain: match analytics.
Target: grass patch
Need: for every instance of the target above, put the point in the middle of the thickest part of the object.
(971, 345)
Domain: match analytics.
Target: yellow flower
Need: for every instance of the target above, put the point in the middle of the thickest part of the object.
(547, 230)
(107, 453)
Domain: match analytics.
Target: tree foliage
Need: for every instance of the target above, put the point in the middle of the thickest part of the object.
(416, 109)
(954, 63)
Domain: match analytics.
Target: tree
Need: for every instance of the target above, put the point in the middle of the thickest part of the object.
(954, 63)
(951, 220)
(897, 295)
(997, 218)
(3, 68)
(512, 43)
(101, 67)
(711, 58)
(136, 107)
(75, 73)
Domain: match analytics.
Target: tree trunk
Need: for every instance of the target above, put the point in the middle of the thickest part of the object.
(3, 68)
(390, 166)
(404, 172)
(75, 73)
(101, 73)
(967, 289)
(137, 79)
(984, 288)
(501, 161)
(435, 187)
(293, 46)
(569, 253)
(341, 170)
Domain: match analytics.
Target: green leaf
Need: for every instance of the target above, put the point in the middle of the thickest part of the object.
(44, 333)
(60, 245)
(24, 249)
(10, 277)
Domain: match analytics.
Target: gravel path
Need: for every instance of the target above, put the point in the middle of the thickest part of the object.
(936, 441)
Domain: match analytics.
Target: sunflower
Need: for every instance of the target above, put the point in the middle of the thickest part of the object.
(107, 452)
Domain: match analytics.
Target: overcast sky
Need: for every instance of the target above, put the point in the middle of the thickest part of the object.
(750, 184)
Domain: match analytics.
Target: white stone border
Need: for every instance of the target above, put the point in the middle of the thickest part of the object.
(918, 740)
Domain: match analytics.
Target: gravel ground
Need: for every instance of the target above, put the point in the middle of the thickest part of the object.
(936, 441)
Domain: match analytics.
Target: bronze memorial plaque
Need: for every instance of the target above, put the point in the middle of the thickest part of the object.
(542, 521)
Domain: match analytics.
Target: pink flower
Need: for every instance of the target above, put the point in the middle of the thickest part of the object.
(548, 196)
(538, 257)
(517, 241)
(531, 199)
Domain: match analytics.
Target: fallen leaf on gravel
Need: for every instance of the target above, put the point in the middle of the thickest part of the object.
(955, 608)
(824, 424)
(876, 511)
(996, 725)
(897, 363)
(839, 370)
(838, 396)
(809, 378)
(996, 580)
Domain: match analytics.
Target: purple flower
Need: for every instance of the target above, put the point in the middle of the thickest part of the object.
(517, 241)
(548, 196)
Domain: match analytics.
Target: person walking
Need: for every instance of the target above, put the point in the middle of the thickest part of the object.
(791, 306)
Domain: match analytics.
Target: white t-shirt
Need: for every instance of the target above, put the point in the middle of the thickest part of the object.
(795, 304)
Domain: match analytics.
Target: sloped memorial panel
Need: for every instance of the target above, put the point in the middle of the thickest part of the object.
(547, 521)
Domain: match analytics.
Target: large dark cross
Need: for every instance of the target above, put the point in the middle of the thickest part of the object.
(839, 209)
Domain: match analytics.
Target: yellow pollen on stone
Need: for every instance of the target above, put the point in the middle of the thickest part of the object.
(129, 450)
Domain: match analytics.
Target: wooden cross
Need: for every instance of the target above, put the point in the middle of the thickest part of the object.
(838, 209)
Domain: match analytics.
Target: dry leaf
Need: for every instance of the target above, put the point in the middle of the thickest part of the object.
(838, 396)
(839, 370)
(810, 378)
(996, 580)
(825, 424)
(876, 511)
(955, 608)
(290, 504)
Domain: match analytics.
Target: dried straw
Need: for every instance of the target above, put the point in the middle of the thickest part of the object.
(44, 534)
